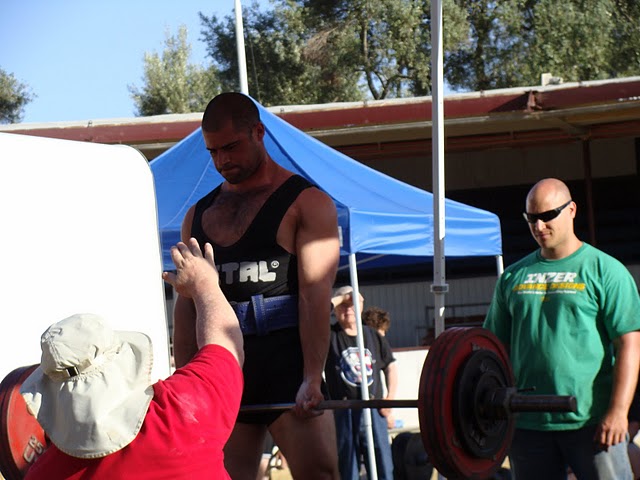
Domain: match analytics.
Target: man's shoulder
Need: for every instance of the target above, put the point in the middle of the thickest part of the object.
(523, 263)
(599, 255)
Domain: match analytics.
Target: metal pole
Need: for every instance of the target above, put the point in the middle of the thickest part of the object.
(242, 59)
(364, 388)
(439, 287)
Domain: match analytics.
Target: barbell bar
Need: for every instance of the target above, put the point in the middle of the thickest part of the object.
(516, 403)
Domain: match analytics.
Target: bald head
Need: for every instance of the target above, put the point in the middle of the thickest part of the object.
(550, 213)
(230, 106)
(549, 191)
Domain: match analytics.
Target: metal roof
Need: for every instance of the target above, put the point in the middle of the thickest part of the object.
(476, 120)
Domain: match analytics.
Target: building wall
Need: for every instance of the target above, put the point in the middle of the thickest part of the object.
(410, 305)
(513, 166)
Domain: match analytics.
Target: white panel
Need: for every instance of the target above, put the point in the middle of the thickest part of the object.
(79, 234)
(410, 363)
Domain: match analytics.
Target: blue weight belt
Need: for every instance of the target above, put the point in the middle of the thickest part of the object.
(260, 315)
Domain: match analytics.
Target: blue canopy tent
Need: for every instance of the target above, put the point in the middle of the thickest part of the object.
(377, 214)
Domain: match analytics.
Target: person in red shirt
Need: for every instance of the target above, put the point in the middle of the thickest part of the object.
(92, 393)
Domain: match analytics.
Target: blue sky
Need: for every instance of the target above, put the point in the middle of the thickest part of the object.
(79, 56)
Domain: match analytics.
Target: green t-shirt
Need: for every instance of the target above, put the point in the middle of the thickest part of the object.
(558, 318)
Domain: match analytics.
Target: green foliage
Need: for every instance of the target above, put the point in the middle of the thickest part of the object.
(625, 58)
(14, 96)
(512, 42)
(171, 84)
(281, 69)
(317, 52)
(572, 39)
(313, 52)
(391, 42)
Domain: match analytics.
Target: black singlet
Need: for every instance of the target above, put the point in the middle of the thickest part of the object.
(256, 264)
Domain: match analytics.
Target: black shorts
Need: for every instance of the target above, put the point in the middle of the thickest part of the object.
(273, 370)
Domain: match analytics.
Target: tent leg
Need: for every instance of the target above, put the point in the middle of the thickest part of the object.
(500, 265)
(364, 389)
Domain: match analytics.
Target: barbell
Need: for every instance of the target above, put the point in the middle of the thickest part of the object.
(466, 405)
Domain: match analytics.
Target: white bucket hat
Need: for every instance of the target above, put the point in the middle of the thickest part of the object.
(93, 387)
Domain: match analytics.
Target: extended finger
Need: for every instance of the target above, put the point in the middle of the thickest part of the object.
(208, 253)
(194, 247)
(170, 278)
(177, 253)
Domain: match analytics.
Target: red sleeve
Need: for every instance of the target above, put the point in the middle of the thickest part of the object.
(208, 389)
(186, 427)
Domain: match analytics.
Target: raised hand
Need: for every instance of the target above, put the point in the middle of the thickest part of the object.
(194, 270)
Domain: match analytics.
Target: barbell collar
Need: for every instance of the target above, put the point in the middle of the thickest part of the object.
(503, 402)
(542, 403)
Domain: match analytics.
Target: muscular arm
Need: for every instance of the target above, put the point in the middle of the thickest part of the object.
(613, 427)
(318, 251)
(197, 278)
(184, 314)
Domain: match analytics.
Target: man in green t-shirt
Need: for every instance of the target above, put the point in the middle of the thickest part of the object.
(569, 314)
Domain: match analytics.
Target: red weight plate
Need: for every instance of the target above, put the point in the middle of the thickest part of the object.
(436, 396)
(22, 439)
(430, 407)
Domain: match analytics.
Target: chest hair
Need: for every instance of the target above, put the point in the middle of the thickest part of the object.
(229, 216)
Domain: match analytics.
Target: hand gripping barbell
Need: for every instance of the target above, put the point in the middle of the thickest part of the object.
(466, 401)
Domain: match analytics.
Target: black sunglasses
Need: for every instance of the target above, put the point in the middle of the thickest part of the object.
(545, 216)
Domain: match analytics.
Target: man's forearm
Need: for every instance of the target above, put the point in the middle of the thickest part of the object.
(315, 344)
(625, 372)
(184, 331)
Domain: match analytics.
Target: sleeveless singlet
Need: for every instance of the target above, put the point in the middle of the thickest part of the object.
(256, 264)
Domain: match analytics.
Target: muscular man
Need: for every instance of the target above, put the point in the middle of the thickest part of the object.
(275, 238)
(93, 397)
(570, 316)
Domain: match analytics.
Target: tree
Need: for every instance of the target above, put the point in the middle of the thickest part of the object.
(512, 42)
(280, 70)
(626, 39)
(14, 96)
(171, 84)
(492, 55)
(305, 51)
(387, 41)
(312, 51)
(572, 40)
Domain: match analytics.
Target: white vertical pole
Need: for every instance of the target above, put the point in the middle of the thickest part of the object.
(242, 59)
(439, 287)
(364, 388)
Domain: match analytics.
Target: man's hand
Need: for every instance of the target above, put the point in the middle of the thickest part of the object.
(612, 429)
(194, 270)
(308, 398)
